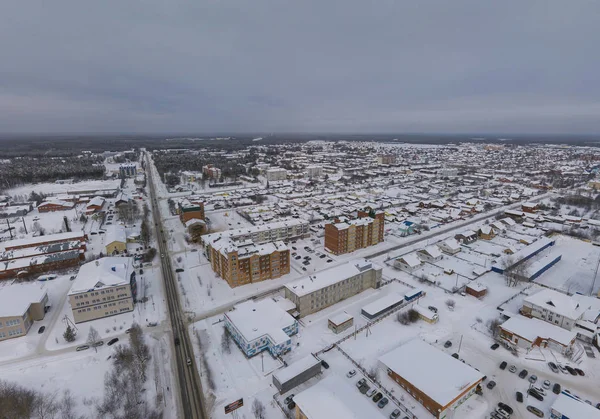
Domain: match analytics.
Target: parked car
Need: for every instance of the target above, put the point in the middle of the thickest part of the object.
(365, 387)
(82, 348)
(556, 388)
(563, 369)
(553, 367)
(432, 308)
(455, 355)
(179, 270)
(112, 341)
(495, 346)
(512, 368)
(329, 260)
(571, 370)
(491, 384)
(535, 394)
(188, 361)
(97, 344)
(532, 378)
(546, 384)
(523, 374)
(361, 382)
(382, 403)
(503, 365)
(41, 329)
(351, 373)
(519, 397)
(535, 411)
(288, 399)
(325, 364)
(579, 371)
(395, 414)
(447, 344)
(377, 397)
(506, 408)
(371, 392)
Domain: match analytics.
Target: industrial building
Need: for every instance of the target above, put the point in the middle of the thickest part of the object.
(383, 305)
(323, 289)
(434, 378)
(55, 205)
(261, 325)
(522, 255)
(296, 373)
(348, 236)
(103, 288)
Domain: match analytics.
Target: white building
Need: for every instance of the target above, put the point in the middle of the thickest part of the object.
(314, 171)
(408, 263)
(568, 405)
(553, 307)
(523, 332)
(261, 325)
(275, 174)
(450, 246)
(430, 254)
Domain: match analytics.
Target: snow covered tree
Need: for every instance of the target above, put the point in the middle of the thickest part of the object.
(69, 334)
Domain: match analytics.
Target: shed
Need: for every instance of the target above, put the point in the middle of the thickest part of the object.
(476, 289)
(296, 373)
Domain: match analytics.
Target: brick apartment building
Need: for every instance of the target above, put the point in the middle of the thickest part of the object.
(246, 263)
(346, 237)
(189, 210)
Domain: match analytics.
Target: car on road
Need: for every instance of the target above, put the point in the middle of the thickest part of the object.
(329, 260)
(447, 344)
(112, 341)
(289, 399)
(322, 256)
(188, 361)
(325, 364)
(177, 342)
(523, 374)
(179, 270)
(304, 268)
(519, 397)
(503, 365)
(495, 346)
(553, 367)
(98, 344)
(535, 411)
(371, 392)
(395, 414)
(556, 388)
(377, 397)
(382, 403)
(532, 378)
(41, 329)
(579, 371)
(512, 368)
(455, 355)
(505, 407)
(535, 394)
(546, 384)
(491, 384)
(351, 373)
(82, 348)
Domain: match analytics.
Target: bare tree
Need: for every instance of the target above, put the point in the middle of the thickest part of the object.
(226, 341)
(494, 327)
(93, 338)
(258, 409)
(373, 373)
(515, 272)
(45, 406)
(450, 303)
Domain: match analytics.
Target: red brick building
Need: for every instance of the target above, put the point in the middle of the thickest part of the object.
(346, 237)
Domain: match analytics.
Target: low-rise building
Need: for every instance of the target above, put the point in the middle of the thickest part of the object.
(553, 307)
(340, 322)
(115, 240)
(434, 378)
(296, 373)
(430, 254)
(486, 232)
(261, 325)
(20, 306)
(426, 314)
(95, 205)
(408, 263)
(526, 333)
(55, 205)
(323, 289)
(450, 246)
(569, 406)
(476, 289)
(103, 288)
(466, 237)
(45, 240)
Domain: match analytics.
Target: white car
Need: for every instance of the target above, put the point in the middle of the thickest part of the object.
(351, 373)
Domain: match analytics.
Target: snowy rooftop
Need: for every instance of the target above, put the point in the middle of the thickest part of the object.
(556, 302)
(340, 318)
(255, 319)
(311, 283)
(247, 248)
(96, 201)
(531, 329)
(569, 406)
(32, 241)
(15, 299)
(211, 238)
(115, 233)
(332, 397)
(432, 371)
(383, 303)
(411, 259)
(477, 286)
(451, 243)
(102, 273)
(433, 251)
(296, 368)
(40, 250)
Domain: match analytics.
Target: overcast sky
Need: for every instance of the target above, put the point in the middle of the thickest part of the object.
(300, 65)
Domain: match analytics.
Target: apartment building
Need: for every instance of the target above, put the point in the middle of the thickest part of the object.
(103, 288)
(346, 237)
(323, 289)
(241, 263)
(276, 174)
(211, 172)
(266, 233)
(314, 171)
(20, 306)
(553, 307)
(188, 210)
(386, 159)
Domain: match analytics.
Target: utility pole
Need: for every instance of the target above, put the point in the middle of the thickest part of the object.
(460, 343)
(595, 275)
(24, 226)
(9, 228)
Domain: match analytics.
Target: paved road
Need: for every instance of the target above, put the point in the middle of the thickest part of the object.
(190, 386)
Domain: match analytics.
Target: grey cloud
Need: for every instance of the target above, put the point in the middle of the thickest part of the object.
(315, 65)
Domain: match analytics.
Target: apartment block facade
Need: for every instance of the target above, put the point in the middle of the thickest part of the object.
(21, 305)
(103, 288)
(249, 263)
(346, 237)
(188, 210)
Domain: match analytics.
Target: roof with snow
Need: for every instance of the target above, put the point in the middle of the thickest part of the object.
(411, 260)
(333, 397)
(450, 244)
(432, 251)
(435, 373)
(15, 299)
(340, 318)
(102, 273)
(532, 328)
(115, 233)
(254, 319)
(568, 406)
(556, 302)
(32, 241)
(96, 201)
(319, 280)
(296, 368)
